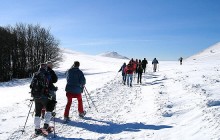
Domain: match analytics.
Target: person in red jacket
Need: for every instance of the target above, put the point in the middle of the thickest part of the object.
(129, 70)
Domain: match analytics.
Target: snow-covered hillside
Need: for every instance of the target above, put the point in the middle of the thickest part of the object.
(176, 102)
(211, 53)
(113, 55)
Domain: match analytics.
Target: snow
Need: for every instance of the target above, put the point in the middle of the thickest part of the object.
(211, 53)
(176, 102)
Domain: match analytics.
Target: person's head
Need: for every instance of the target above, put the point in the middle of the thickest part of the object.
(144, 58)
(139, 66)
(124, 63)
(76, 64)
(50, 64)
(43, 66)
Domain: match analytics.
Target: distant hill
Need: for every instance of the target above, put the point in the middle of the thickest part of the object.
(113, 55)
(211, 53)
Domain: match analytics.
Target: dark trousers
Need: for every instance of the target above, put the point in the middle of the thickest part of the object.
(139, 77)
(41, 103)
(124, 78)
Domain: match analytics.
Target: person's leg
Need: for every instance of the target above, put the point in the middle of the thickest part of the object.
(138, 79)
(80, 103)
(38, 108)
(128, 75)
(69, 102)
(47, 116)
(131, 77)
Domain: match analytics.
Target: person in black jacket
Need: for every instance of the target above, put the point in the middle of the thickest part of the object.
(144, 64)
(181, 60)
(41, 97)
(139, 71)
(51, 88)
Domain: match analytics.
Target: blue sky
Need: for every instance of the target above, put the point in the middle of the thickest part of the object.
(166, 29)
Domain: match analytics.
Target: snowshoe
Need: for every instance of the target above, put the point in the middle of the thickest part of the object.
(66, 119)
(81, 115)
(53, 114)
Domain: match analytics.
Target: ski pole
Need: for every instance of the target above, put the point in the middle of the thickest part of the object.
(116, 76)
(28, 115)
(87, 98)
(54, 123)
(91, 100)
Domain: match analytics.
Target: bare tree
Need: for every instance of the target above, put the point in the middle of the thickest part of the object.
(26, 46)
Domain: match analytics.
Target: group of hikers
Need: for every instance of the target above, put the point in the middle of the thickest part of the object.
(135, 67)
(43, 90)
(44, 96)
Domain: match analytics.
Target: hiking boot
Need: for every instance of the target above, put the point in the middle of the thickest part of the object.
(53, 114)
(46, 126)
(130, 85)
(38, 131)
(66, 118)
(82, 114)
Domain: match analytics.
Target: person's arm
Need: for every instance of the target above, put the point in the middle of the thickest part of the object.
(53, 76)
(120, 69)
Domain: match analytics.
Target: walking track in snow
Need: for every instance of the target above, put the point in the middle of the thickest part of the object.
(175, 102)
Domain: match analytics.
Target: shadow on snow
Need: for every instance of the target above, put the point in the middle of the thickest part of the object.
(113, 128)
(154, 82)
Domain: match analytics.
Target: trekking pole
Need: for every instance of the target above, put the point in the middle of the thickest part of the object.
(28, 115)
(91, 100)
(87, 98)
(116, 76)
(54, 123)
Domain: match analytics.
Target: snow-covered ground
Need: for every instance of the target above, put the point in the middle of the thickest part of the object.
(176, 102)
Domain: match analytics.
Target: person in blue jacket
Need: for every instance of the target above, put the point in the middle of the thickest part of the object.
(74, 88)
(123, 73)
(155, 63)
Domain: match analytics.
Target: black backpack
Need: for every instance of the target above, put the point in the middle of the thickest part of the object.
(39, 85)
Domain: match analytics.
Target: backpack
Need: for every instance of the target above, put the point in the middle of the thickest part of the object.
(39, 85)
(129, 69)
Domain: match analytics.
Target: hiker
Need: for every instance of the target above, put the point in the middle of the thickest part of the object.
(131, 61)
(144, 64)
(129, 70)
(74, 88)
(54, 78)
(181, 60)
(155, 63)
(123, 73)
(40, 92)
(52, 88)
(135, 65)
(139, 71)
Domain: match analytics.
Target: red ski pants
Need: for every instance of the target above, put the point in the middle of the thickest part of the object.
(69, 96)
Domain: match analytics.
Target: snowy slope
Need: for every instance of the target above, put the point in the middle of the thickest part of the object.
(211, 53)
(176, 102)
(113, 55)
